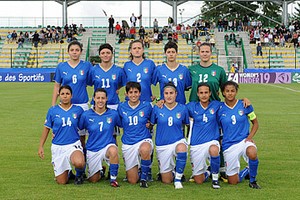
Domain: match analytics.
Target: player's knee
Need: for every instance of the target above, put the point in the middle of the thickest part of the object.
(113, 151)
(214, 150)
(233, 180)
(251, 153)
(181, 147)
(132, 180)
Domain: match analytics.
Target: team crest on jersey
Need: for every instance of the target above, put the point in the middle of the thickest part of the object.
(178, 115)
(146, 70)
(241, 112)
(109, 120)
(212, 111)
(114, 76)
(213, 73)
(180, 76)
(141, 113)
(74, 115)
(81, 72)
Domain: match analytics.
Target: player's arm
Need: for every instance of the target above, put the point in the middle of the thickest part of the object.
(246, 102)
(254, 127)
(43, 139)
(55, 93)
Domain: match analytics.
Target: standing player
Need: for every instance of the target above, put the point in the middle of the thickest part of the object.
(101, 145)
(66, 147)
(237, 140)
(140, 69)
(173, 71)
(204, 138)
(170, 141)
(74, 73)
(137, 143)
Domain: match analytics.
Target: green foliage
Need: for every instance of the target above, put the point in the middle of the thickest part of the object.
(25, 176)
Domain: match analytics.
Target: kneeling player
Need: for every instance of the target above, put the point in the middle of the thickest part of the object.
(237, 140)
(204, 138)
(101, 145)
(170, 141)
(137, 144)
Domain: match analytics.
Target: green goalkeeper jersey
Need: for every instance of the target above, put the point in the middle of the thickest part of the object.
(213, 75)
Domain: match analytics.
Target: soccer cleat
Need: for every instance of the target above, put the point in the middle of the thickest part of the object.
(191, 179)
(223, 177)
(149, 177)
(254, 185)
(158, 176)
(125, 179)
(178, 185)
(216, 185)
(71, 175)
(102, 172)
(183, 179)
(78, 180)
(114, 184)
(143, 184)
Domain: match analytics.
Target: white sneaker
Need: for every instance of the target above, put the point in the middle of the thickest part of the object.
(178, 185)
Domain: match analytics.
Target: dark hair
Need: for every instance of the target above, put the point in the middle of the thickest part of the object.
(65, 87)
(130, 46)
(205, 44)
(229, 83)
(170, 45)
(100, 90)
(105, 46)
(170, 84)
(203, 84)
(75, 42)
(131, 85)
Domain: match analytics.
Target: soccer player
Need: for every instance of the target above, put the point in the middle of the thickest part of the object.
(108, 76)
(137, 144)
(139, 69)
(74, 73)
(237, 140)
(173, 71)
(204, 138)
(66, 147)
(101, 145)
(170, 141)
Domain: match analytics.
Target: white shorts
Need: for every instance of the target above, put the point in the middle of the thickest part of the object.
(61, 156)
(199, 155)
(232, 156)
(116, 129)
(94, 160)
(131, 153)
(85, 107)
(165, 156)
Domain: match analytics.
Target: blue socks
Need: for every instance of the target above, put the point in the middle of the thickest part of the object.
(113, 170)
(79, 172)
(145, 168)
(243, 174)
(180, 165)
(253, 166)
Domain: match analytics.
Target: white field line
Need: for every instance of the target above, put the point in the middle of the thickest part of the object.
(286, 88)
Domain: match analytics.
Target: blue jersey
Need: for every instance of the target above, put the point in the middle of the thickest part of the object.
(143, 74)
(181, 78)
(77, 78)
(234, 122)
(100, 128)
(134, 122)
(205, 126)
(64, 124)
(169, 123)
(111, 80)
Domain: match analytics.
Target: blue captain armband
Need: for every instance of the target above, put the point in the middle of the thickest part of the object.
(252, 116)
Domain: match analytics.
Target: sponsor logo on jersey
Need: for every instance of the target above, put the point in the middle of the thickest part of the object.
(141, 113)
(212, 111)
(146, 70)
(91, 120)
(81, 72)
(178, 115)
(213, 73)
(65, 73)
(241, 112)
(109, 120)
(74, 115)
(180, 76)
(162, 114)
(114, 77)
(57, 116)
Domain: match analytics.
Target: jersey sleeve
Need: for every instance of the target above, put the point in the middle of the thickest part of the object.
(153, 119)
(81, 124)
(57, 75)
(249, 110)
(89, 76)
(153, 67)
(155, 76)
(188, 79)
(223, 77)
(122, 77)
(48, 120)
(186, 119)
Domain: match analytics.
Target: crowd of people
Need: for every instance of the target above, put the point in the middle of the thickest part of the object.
(205, 117)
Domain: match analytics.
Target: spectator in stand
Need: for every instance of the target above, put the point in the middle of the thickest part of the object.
(155, 23)
(183, 31)
(142, 32)
(111, 22)
(9, 38)
(122, 36)
(195, 32)
(155, 30)
(20, 42)
(147, 42)
(258, 49)
(245, 23)
(225, 24)
(132, 32)
(14, 35)
(164, 31)
(26, 37)
(212, 42)
(220, 25)
(189, 36)
(118, 28)
(81, 29)
(170, 22)
(35, 39)
(127, 32)
(133, 20)
(175, 37)
(160, 37)
(232, 38)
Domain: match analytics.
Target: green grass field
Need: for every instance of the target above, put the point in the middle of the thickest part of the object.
(25, 176)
